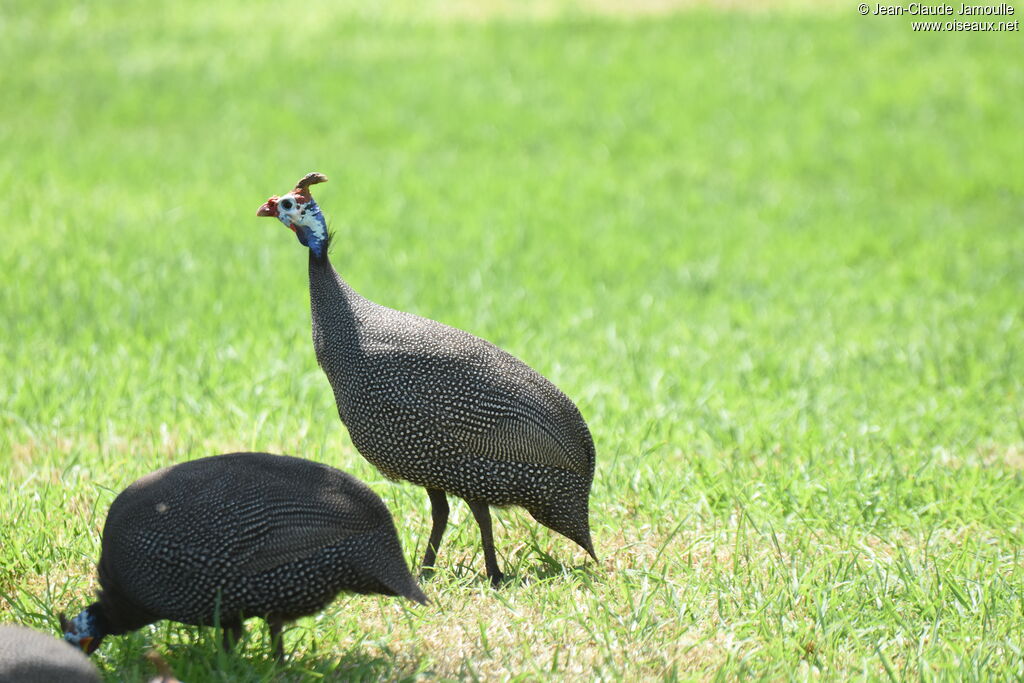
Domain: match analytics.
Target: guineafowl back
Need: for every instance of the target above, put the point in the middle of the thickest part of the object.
(245, 534)
(28, 656)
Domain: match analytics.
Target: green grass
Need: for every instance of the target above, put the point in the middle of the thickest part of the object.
(776, 259)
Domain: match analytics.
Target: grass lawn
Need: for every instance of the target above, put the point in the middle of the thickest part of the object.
(776, 257)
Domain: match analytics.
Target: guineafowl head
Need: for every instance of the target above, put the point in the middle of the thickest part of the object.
(300, 213)
(86, 631)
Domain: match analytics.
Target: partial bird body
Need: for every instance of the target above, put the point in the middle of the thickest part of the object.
(29, 656)
(221, 539)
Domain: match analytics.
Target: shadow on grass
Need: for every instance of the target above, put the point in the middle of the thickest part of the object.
(529, 566)
(534, 565)
(587, 573)
(194, 654)
(358, 666)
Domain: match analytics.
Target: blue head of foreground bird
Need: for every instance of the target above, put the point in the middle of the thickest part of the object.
(441, 408)
(224, 538)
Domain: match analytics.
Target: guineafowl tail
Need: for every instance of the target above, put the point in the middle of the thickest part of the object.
(587, 544)
(383, 569)
(408, 588)
(582, 537)
(568, 517)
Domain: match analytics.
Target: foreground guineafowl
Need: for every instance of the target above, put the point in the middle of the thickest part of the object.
(28, 656)
(224, 538)
(442, 408)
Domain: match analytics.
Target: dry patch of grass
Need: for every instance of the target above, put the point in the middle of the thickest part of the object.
(1010, 456)
(570, 625)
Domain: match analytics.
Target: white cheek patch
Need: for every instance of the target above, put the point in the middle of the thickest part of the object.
(288, 216)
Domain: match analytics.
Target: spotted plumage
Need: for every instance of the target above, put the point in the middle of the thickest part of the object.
(224, 538)
(28, 656)
(441, 408)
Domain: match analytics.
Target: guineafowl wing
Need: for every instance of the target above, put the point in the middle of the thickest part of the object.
(302, 530)
(473, 399)
(528, 427)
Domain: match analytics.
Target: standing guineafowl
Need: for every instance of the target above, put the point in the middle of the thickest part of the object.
(440, 407)
(225, 538)
(28, 656)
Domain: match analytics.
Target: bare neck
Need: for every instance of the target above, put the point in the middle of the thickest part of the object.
(337, 311)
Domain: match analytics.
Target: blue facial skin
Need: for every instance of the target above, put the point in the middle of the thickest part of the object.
(307, 220)
(84, 626)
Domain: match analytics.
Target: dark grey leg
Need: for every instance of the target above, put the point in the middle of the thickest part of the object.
(276, 641)
(482, 512)
(439, 511)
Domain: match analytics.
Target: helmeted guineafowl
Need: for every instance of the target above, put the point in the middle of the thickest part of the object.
(28, 656)
(224, 538)
(440, 407)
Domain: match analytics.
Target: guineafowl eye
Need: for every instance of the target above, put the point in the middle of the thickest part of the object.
(285, 204)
